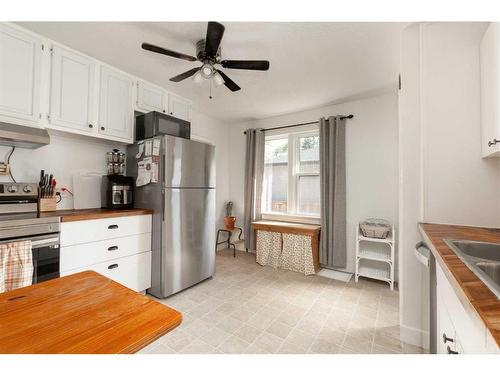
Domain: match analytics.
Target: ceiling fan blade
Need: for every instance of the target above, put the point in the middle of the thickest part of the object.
(167, 52)
(184, 75)
(215, 31)
(229, 82)
(246, 64)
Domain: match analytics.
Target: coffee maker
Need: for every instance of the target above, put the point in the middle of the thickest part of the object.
(117, 191)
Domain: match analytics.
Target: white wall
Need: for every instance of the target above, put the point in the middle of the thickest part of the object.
(210, 130)
(413, 276)
(68, 154)
(443, 177)
(371, 158)
(65, 155)
(459, 186)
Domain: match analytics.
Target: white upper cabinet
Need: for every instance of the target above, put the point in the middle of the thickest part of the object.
(151, 98)
(490, 98)
(20, 67)
(72, 90)
(179, 107)
(116, 110)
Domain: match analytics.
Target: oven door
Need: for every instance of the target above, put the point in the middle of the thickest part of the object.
(46, 255)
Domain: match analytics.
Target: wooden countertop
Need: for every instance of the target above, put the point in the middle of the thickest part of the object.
(84, 313)
(95, 213)
(281, 226)
(472, 292)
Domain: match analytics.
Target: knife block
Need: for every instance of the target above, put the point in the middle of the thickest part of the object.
(47, 204)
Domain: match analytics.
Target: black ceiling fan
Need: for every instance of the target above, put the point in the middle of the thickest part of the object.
(208, 52)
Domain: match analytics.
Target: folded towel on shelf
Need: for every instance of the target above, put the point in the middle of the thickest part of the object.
(16, 265)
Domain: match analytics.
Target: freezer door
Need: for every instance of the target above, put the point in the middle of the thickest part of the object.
(188, 163)
(188, 238)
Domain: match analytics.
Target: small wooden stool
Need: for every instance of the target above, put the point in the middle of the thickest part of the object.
(228, 240)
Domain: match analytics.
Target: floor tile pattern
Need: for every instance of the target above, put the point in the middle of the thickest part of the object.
(247, 308)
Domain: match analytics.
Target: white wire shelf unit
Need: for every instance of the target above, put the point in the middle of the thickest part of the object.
(375, 257)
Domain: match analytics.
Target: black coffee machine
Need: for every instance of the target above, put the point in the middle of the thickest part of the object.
(117, 191)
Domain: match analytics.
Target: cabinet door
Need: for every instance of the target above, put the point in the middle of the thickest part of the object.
(116, 109)
(179, 107)
(490, 98)
(150, 98)
(20, 67)
(72, 90)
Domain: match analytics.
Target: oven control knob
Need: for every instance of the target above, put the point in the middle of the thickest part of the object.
(27, 189)
(12, 189)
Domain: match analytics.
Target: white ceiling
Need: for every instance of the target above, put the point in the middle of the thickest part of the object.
(312, 64)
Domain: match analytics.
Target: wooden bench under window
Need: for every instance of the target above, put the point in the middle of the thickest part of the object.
(285, 245)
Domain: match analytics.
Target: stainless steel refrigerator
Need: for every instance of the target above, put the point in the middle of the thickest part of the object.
(183, 200)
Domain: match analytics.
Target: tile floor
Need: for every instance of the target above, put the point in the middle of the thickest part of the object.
(247, 308)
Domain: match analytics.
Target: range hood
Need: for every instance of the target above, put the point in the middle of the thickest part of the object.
(23, 136)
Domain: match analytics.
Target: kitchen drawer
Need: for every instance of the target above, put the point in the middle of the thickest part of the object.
(133, 271)
(77, 256)
(84, 231)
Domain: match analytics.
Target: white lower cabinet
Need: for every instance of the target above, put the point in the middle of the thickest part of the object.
(133, 271)
(118, 248)
(458, 331)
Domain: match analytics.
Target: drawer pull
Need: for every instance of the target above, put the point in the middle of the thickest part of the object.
(448, 349)
(112, 248)
(446, 338)
(110, 267)
(113, 226)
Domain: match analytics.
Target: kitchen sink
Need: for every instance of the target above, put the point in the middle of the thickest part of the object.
(482, 258)
(483, 250)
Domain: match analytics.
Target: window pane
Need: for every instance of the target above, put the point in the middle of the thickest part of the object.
(275, 186)
(308, 195)
(309, 154)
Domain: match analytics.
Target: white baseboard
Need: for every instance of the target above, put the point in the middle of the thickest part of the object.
(414, 336)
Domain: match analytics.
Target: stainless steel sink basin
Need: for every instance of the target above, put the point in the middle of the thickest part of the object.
(483, 250)
(483, 258)
(492, 270)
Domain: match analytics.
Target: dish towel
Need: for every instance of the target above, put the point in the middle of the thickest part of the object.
(16, 265)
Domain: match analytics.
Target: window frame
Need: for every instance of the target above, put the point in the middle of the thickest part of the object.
(294, 173)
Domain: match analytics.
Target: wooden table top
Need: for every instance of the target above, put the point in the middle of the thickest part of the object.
(84, 313)
(95, 213)
(281, 226)
(472, 292)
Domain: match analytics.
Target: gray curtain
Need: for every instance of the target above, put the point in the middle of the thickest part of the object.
(254, 169)
(333, 252)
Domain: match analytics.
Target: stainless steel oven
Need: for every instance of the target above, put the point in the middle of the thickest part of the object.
(19, 221)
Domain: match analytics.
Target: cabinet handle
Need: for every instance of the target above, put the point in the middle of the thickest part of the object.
(112, 248)
(113, 226)
(446, 338)
(171, 113)
(91, 126)
(449, 351)
(493, 142)
(110, 267)
(102, 128)
(163, 111)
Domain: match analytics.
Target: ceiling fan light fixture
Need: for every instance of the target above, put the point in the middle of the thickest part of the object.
(207, 71)
(218, 79)
(198, 77)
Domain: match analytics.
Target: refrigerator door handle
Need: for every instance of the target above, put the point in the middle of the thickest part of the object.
(163, 187)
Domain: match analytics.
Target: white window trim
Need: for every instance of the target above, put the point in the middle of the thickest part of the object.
(293, 175)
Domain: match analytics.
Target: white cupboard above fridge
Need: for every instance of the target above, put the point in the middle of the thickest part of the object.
(179, 107)
(151, 98)
(116, 110)
(72, 91)
(490, 91)
(20, 71)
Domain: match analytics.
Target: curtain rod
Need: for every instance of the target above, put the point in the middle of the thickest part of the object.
(301, 124)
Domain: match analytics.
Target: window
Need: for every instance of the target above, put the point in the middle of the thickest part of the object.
(291, 174)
